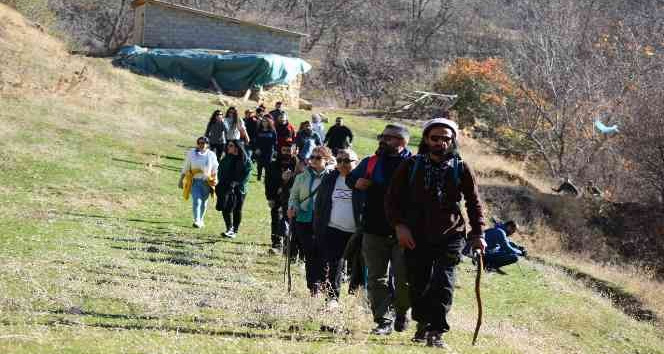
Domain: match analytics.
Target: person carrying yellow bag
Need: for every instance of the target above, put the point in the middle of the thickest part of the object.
(198, 178)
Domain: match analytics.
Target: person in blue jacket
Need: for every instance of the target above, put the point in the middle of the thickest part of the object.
(500, 250)
(265, 145)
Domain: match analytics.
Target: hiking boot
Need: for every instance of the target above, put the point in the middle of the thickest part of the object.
(401, 323)
(420, 333)
(383, 328)
(435, 339)
(500, 271)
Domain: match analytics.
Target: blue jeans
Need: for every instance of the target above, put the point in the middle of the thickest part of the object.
(200, 191)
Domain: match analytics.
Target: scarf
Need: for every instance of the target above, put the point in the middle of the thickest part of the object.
(434, 176)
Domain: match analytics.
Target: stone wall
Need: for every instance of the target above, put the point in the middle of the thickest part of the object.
(166, 27)
(288, 94)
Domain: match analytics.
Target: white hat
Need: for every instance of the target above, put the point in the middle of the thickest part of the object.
(443, 121)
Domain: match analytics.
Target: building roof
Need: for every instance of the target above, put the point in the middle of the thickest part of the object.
(137, 3)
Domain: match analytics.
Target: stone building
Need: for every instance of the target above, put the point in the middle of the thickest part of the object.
(158, 24)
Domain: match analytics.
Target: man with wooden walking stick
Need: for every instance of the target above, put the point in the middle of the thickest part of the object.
(423, 205)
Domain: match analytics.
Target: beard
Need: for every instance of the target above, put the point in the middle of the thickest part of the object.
(440, 152)
(386, 149)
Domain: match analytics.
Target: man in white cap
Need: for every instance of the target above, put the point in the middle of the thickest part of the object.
(422, 204)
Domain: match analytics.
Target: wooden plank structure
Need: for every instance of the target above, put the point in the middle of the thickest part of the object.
(423, 105)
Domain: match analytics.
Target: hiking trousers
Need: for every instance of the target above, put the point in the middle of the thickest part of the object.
(331, 248)
(232, 218)
(279, 224)
(380, 254)
(431, 274)
(499, 259)
(313, 265)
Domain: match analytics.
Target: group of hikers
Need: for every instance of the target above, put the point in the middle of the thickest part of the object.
(222, 160)
(392, 220)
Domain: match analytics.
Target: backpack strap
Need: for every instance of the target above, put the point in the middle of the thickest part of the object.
(457, 170)
(419, 160)
(371, 166)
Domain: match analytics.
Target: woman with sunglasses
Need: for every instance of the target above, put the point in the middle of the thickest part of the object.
(233, 173)
(236, 128)
(300, 210)
(199, 175)
(216, 132)
(336, 216)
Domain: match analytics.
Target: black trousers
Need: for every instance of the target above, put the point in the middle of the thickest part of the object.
(313, 267)
(218, 150)
(499, 259)
(279, 223)
(331, 248)
(260, 166)
(233, 217)
(431, 274)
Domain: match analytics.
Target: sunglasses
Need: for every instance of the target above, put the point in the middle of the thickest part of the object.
(346, 160)
(387, 137)
(316, 157)
(439, 138)
(201, 143)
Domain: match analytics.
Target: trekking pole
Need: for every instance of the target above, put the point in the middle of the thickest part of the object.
(289, 242)
(480, 265)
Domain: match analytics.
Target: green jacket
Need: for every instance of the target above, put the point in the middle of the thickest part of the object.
(302, 197)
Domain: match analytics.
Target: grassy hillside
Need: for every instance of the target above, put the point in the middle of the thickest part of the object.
(98, 254)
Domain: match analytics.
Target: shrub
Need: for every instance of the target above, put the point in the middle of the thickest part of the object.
(483, 86)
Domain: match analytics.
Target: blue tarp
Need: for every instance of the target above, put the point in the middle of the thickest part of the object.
(233, 72)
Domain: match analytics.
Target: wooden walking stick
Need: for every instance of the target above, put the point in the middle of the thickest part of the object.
(478, 277)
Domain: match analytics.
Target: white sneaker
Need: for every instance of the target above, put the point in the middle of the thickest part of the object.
(332, 305)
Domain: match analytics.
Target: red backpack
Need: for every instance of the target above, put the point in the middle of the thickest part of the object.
(371, 166)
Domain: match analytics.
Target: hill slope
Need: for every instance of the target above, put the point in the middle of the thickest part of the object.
(98, 254)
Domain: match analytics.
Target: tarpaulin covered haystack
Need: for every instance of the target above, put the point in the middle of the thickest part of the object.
(197, 67)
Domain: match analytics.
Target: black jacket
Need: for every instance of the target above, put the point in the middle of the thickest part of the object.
(338, 137)
(275, 188)
(323, 205)
(373, 211)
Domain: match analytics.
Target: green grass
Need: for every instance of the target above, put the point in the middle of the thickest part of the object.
(98, 254)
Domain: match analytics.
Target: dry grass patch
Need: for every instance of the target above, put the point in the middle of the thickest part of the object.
(638, 281)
